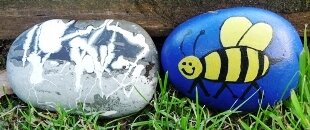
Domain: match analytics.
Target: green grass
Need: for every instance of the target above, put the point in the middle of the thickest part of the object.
(169, 110)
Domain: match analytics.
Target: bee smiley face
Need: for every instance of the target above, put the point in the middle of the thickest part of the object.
(190, 67)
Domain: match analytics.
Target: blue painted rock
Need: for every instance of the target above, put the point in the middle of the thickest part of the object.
(104, 66)
(233, 56)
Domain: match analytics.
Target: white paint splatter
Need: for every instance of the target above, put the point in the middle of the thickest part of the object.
(101, 66)
(137, 71)
(77, 33)
(63, 68)
(135, 76)
(103, 51)
(35, 47)
(28, 40)
(84, 54)
(54, 63)
(95, 36)
(76, 57)
(37, 69)
(138, 40)
(108, 113)
(49, 41)
(110, 50)
(121, 63)
(88, 64)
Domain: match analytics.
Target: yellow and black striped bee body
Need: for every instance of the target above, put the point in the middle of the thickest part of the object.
(240, 60)
(223, 65)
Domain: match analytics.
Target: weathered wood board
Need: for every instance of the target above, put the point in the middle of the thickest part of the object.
(158, 17)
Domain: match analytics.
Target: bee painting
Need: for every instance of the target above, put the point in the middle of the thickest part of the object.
(245, 58)
(240, 60)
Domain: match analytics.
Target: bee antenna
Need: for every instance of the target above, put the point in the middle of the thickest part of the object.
(181, 47)
(182, 43)
(202, 32)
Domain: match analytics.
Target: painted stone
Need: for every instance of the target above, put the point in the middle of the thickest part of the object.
(234, 56)
(105, 66)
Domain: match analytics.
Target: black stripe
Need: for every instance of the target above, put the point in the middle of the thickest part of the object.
(244, 64)
(224, 65)
(261, 64)
(203, 62)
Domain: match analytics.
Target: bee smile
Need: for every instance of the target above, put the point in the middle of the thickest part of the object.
(186, 73)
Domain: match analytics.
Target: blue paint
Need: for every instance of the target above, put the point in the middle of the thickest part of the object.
(285, 45)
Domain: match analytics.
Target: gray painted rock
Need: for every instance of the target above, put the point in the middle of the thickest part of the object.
(103, 66)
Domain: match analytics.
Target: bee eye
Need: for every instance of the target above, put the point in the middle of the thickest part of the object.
(184, 63)
(190, 63)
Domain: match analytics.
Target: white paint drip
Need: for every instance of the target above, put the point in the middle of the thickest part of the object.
(94, 37)
(99, 67)
(84, 54)
(138, 40)
(63, 68)
(108, 113)
(28, 40)
(135, 76)
(76, 57)
(120, 63)
(49, 41)
(88, 64)
(103, 51)
(35, 47)
(54, 63)
(87, 95)
(137, 71)
(37, 70)
(77, 33)
(110, 50)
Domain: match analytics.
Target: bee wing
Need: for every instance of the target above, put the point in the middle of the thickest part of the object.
(258, 36)
(233, 30)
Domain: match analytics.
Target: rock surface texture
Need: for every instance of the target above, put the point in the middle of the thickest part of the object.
(105, 66)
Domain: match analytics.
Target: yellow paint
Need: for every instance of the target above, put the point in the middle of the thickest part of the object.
(233, 29)
(236, 31)
(190, 67)
(253, 65)
(266, 64)
(239, 31)
(258, 37)
(234, 64)
(213, 66)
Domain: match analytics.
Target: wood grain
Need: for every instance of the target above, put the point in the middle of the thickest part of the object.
(158, 17)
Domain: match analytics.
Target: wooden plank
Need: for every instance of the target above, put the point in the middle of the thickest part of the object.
(299, 20)
(158, 17)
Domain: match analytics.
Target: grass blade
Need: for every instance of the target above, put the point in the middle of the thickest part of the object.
(260, 122)
(298, 110)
